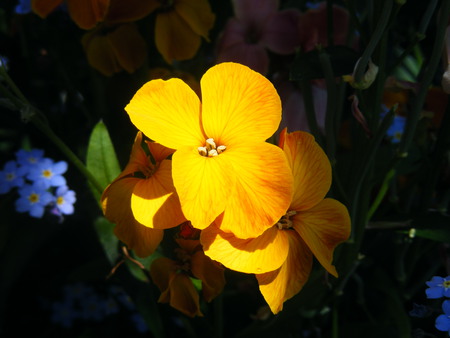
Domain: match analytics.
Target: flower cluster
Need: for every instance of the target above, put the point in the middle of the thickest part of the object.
(40, 183)
(439, 287)
(251, 206)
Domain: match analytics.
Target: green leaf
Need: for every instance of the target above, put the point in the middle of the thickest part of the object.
(101, 158)
(107, 239)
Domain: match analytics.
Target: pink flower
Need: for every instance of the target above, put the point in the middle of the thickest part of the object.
(257, 27)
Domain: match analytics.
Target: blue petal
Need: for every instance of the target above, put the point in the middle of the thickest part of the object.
(446, 307)
(435, 292)
(442, 323)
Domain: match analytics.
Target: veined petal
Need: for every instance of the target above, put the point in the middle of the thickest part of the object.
(158, 151)
(263, 189)
(254, 255)
(130, 10)
(168, 112)
(138, 157)
(210, 273)
(174, 38)
(44, 7)
(239, 104)
(310, 167)
(322, 228)
(198, 15)
(154, 201)
(203, 185)
(86, 13)
(284, 283)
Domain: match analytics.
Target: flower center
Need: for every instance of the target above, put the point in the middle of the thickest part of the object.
(10, 177)
(184, 259)
(285, 221)
(147, 170)
(47, 173)
(211, 149)
(60, 200)
(33, 198)
(446, 284)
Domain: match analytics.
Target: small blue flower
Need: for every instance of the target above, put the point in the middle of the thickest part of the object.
(29, 157)
(63, 313)
(33, 199)
(48, 172)
(438, 287)
(64, 200)
(419, 311)
(23, 7)
(11, 176)
(443, 321)
(396, 129)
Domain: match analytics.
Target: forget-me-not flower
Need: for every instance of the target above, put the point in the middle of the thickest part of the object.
(33, 199)
(11, 176)
(49, 172)
(64, 200)
(443, 321)
(438, 287)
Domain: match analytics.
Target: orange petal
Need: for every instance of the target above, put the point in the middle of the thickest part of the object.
(198, 15)
(239, 104)
(254, 255)
(154, 201)
(203, 185)
(131, 10)
(128, 46)
(262, 192)
(174, 38)
(168, 113)
(138, 158)
(310, 167)
(116, 208)
(87, 13)
(210, 273)
(322, 228)
(158, 151)
(162, 271)
(282, 284)
(44, 7)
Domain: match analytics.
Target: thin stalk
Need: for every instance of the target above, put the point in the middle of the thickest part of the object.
(381, 193)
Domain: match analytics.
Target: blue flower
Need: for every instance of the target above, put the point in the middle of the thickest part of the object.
(63, 313)
(29, 157)
(64, 200)
(395, 130)
(33, 199)
(443, 321)
(23, 7)
(48, 172)
(11, 176)
(93, 307)
(438, 287)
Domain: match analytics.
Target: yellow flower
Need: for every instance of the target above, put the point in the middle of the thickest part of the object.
(173, 277)
(85, 13)
(281, 257)
(222, 165)
(142, 200)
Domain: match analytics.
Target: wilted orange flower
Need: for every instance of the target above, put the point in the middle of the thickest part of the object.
(85, 13)
(222, 165)
(282, 256)
(142, 200)
(173, 277)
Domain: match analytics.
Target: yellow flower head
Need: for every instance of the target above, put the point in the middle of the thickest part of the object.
(222, 165)
(281, 257)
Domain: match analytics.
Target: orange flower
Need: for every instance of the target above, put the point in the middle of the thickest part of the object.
(222, 165)
(173, 278)
(282, 256)
(85, 13)
(166, 74)
(143, 186)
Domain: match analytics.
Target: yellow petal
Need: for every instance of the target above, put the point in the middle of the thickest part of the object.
(158, 151)
(310, 167)
(203, 185)
(322, 228)
(138, 157)
(44, 7)
(282, 284)
(254, 255)
(210, 273)
(174, 38)
(198, 15)
(128, 46)
(154, 201)
(168, 112)
(130, 10)
(86, 13)
(262, 192)
(239, 104)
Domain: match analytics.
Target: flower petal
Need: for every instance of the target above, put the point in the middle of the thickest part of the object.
(322, 228)
(154, 201)
(239, 104)
(174, 38)
(130, 10)
(168, 113)
(277, 34)
(44, 7)
(284, 283)
(254, 255)
(310, 167)
(197, 14)
(211, 274)
(99, 53)
(158, 151)
(262, 192)
(255, 11)
(203, 185)
(86, 13)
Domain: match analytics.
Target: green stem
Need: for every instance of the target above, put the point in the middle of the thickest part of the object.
(381, 193)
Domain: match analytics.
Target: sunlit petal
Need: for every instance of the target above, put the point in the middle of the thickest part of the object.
(168, 113)
(239, 104)
(322, 228)
(262, 192)
(154, 201)
(310, 167)
(254, 255)
(158, 151)
(282, 284)
(203, 185)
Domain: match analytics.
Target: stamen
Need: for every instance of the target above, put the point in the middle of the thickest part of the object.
(202, 151)
(210, 144)
(221, 149)
(211, 149)
(285, 222)
(213, 152)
